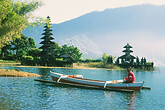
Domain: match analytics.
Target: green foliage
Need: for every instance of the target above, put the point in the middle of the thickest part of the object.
(137, 61)
(112, 66)
(91, 60)
(14, 17)
(105, 57)
(109, 59)
(17, 47)
(101, 65)
(72, 51)
(96, 64)
(149, 63)
(57, 49)
(34, 52)
(31, 43)
(7, 61)
(27, 60)
(59, 59)
(22, 45)
(117, 61)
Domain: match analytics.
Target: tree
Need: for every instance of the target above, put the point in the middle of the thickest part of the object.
(31, 43)
(76, 54)
(132, 62)
(27, 60)
(105, 57)
(72, 51)
(109, 59)
(142, 61)
(14, 17)
(17, 47)
(64, 50)
(47, 53)
(57, 49)
(117, 61)
(22, 45)
(6, 52)
(137, 61)
(35, 53)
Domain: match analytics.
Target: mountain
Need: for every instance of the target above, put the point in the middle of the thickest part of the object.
(142, 26)
(85, 45)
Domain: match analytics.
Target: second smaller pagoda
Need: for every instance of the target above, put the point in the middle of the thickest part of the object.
(127, 58)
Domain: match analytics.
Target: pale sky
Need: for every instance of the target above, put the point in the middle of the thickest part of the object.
(63, 10)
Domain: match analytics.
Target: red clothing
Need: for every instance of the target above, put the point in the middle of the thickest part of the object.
(131, 77)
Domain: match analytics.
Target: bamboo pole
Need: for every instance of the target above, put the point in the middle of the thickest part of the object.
(146, 88)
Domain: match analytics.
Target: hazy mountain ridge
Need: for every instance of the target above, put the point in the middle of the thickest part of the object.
(125, 19)
(142, 17)
(142, 26)
(85, 45)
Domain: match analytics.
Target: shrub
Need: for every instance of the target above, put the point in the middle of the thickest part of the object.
(27, 60)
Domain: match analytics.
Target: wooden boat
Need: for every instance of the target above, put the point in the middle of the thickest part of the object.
(79, 80)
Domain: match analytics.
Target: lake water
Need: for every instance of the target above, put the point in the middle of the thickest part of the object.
(26, 94)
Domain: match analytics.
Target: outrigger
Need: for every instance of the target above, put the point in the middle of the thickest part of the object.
(80, 81)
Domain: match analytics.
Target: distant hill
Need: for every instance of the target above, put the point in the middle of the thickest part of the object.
(85, 45)
(142, 26)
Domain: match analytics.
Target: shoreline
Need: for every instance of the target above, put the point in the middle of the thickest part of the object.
(84, 67)
(77, 66)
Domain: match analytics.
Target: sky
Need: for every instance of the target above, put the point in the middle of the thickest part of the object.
(64, 10)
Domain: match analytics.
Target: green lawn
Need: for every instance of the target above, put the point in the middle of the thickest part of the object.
(7, 61)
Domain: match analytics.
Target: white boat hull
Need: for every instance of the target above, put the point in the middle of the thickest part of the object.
(118, 84)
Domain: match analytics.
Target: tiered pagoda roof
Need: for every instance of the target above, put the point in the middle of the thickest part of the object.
(127, 57)
(127, 52)
(47, 43)
(127, 46)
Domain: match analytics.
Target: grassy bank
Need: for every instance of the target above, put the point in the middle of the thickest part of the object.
(16, 73)
(9, 62)
(99, 65)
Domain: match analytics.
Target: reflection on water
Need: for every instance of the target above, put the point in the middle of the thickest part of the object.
(26, 94)
(131, 102)
(126, 100)
(45, 72)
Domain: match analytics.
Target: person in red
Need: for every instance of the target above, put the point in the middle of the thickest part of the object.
(131, 76)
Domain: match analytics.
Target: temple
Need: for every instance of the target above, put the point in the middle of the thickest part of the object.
(129, 60)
